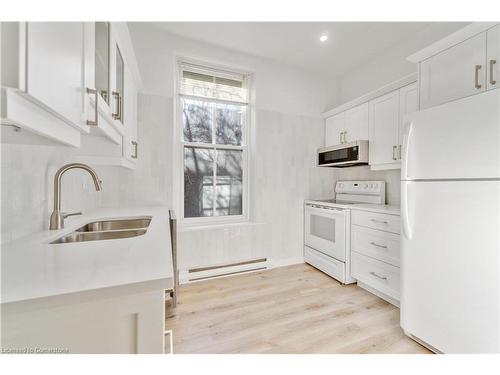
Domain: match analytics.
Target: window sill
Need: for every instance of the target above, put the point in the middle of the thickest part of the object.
(215, 226)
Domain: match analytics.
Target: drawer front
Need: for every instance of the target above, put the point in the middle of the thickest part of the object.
(380, 245)
(385, 222)
(328, 265)
(379, 275)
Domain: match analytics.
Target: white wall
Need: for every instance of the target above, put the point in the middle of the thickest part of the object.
(287, 104)
(278, 87)
(389, 66)
(27, 173)
(288, 128)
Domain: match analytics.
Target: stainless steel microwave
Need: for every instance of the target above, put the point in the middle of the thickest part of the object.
(343, 155)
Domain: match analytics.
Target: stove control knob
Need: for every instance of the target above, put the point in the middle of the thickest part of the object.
(365, 186)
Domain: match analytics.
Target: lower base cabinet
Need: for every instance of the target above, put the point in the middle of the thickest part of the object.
(375, 253)
(112, 325)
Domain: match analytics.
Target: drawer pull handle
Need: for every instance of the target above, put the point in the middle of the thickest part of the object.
(379, 221)
(378, 276)
(376, 244)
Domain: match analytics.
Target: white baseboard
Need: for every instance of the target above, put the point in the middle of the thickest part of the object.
(286, 262)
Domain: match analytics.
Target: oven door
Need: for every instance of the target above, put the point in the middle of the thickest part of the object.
(324, 230)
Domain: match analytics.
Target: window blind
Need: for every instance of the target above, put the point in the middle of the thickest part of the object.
(208, 84)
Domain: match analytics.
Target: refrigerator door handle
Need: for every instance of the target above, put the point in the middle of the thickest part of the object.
(405, 221)
(406, 145)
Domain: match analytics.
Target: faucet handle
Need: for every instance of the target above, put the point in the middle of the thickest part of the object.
(65, 215)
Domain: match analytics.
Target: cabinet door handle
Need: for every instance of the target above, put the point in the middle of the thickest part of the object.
(378, 276)
(340, 137)
(96, 113)
(377, 245)
(134, 155)
(399, 152)
(476, 76)
(345, 133)
(118, 98)
(394, 148)
(492, 71)
(379, 221)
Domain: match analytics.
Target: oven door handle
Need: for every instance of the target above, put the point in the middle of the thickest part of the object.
(325, 211)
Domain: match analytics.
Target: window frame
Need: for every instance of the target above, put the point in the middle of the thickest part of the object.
(179, 134)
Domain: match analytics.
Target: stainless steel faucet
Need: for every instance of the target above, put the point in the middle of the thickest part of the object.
(57, 217)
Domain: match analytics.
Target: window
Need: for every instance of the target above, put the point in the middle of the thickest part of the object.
(213, 106)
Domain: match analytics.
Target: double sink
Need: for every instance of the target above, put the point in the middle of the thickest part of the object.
(107, 230)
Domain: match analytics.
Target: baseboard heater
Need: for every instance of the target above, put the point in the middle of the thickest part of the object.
(210, 272)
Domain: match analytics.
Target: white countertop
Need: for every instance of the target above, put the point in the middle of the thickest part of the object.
(380, 208)
(32, 268)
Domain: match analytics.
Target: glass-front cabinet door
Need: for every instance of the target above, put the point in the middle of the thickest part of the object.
(102, 58)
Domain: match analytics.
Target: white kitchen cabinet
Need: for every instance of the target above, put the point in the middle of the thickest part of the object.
(384, 131)
(54, 67)
(117, 90)
(122, 324)
(55, 83)
(454, 73)
(334, 128)
(348, 126)
(375, 253)
(356, 123)
(493, 57)
(43, 91)
(131, 145)
(408, 103)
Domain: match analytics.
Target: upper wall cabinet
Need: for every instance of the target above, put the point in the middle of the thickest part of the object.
(65, 81)
(460, 65)
(356, 123)
(116, 90)
(493, 57)
(42, 87)
(378, 117)
(384, 130)
(348, 126)
(334, 129)
(453, 74)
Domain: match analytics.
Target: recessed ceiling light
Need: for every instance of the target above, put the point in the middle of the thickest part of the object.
(323, 38)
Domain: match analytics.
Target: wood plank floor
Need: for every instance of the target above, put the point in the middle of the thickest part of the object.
(294, 309)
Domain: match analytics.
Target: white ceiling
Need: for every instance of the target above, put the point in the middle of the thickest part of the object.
(350, 44)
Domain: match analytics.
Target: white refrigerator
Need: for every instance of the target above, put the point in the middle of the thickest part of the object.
(450, 215)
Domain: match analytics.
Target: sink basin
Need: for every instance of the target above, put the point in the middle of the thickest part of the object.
(116, 224)
(110, 229)
(96, 236)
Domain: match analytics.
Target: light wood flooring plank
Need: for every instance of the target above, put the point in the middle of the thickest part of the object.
(294, 309)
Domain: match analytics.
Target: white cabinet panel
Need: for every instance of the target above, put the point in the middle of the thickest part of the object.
(383, 129)
(376, 244)
(334, 126)
(375, 220)
(376, 274)
(356, 123)
(454, 73)
(493, 56)
(55, 67)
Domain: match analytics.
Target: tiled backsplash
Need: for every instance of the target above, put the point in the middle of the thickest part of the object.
(28, 171)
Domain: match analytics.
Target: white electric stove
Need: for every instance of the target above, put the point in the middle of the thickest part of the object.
(327, 226)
